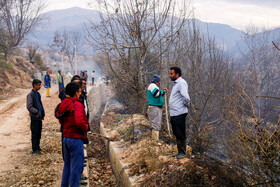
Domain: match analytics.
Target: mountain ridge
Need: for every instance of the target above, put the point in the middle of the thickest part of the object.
(226, 36)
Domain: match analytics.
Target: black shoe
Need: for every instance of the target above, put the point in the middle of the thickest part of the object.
(84, 178)
(39, 149)
(174, 155)
(37, 152)
(83, 183)
(180, 155)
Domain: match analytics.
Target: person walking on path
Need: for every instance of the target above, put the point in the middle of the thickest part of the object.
(36, 111)
(75, 127)
(155, 101)
(47, 83)
(60, 81)
(179, 103)
(92, 78)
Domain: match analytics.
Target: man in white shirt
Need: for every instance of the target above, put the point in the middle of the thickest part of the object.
(179, 103)
(92, 78)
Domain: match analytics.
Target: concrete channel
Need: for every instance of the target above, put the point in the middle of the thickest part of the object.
(103, 96)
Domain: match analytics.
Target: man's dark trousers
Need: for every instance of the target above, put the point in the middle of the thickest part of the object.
(178, 124)
(36, 130)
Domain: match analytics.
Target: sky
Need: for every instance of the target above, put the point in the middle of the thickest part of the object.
(237, 13)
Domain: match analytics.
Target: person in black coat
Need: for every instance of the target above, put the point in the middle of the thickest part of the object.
(37, 113)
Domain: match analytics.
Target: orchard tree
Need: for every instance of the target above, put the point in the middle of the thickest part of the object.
(66, 41)
(32, 49)
(129, 35)
(17, 19)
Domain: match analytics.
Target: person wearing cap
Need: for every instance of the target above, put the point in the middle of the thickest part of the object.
(156, 102)
(179, 103)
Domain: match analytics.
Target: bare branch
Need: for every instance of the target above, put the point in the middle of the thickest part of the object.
(275, 46)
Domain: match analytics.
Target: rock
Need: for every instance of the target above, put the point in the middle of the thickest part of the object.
(95, 177)
(114, 135)
(164, 158)
(41, 182)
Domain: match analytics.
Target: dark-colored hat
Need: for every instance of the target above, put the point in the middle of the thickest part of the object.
(156, 78)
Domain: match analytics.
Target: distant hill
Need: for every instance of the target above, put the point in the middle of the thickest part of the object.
(59, 19)
(226, 36)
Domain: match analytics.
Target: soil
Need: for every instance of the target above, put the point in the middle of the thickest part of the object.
(100, 172)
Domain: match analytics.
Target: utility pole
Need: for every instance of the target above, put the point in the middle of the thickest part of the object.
(76, 69)
(62, 63)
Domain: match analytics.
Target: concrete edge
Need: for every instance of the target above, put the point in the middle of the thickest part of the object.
(119, 167)
(85, 182)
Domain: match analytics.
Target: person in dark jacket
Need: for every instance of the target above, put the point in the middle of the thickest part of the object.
(75, 127)
(36, 110)
(84, 96)
(47, 83)
(62, 94)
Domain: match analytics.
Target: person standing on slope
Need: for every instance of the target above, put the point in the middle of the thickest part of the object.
(37, 113)
(179, 103)
(155, 101)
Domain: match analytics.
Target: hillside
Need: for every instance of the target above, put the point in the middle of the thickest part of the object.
(17, 73)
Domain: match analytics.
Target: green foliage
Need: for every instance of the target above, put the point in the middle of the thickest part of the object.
(38, 61)
(121, 118)
(127, 133)
(5, 65)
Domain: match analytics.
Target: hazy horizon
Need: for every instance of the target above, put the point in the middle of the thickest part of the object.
(237, 13)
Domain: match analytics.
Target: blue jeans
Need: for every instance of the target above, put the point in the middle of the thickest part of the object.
(73, 151)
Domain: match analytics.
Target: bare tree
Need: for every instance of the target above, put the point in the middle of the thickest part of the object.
(2, 3)
(206, 69)
(129, 35)
(32, 49)
(65, 41)
(262, 61)
(253, 144)
(275, 46)
(17, 19)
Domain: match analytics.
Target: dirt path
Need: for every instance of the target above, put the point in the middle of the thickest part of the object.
(17, 165)
(14, 129)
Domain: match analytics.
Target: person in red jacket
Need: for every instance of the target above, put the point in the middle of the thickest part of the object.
(75, 127)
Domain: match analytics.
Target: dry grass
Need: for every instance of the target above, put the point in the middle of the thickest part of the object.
(153, 163)
(39, 170)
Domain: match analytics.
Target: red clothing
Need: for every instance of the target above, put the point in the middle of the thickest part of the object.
(75, 124)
